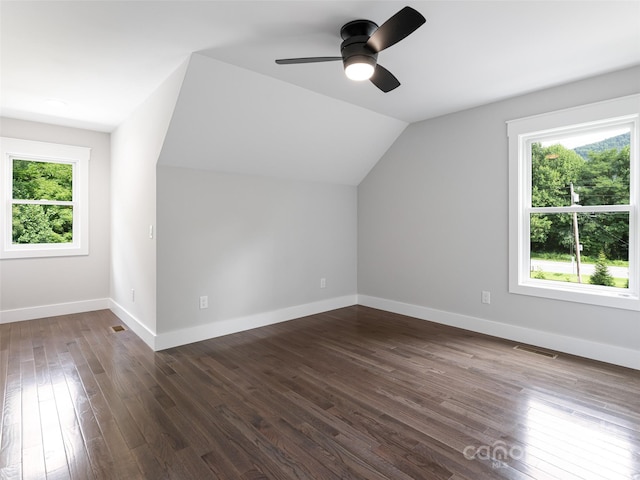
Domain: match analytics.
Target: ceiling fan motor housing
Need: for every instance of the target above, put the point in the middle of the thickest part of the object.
(362, 41)
(354, 47)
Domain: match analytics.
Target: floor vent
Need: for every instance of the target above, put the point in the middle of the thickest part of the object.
(118, 328)
(537, 351)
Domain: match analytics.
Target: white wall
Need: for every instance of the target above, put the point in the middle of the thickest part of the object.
(256, 246)
(40, 287)
(135, 148)
(432, 229)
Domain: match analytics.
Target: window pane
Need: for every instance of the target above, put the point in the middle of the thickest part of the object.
(603, 242)
(42, 224)
(596, 164)
(34, 180)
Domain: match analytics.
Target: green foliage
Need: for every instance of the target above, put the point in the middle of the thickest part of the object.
(42, 180)
(538, 274)
(602, 178)
(572, 278)
(540, 226)
(42, 224)
(605, 178)
(30, 224)
(553, 168)
(33, 180)
(607, 232)
(601, 276)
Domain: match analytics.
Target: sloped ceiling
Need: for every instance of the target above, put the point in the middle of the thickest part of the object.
(229, 119)
(104, 58)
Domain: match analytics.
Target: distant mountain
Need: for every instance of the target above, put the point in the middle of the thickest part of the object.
(617, 142)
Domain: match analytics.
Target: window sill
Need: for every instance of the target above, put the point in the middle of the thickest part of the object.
(43, 251)
(586, 294)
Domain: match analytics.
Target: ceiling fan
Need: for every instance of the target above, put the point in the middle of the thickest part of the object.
(362, 41)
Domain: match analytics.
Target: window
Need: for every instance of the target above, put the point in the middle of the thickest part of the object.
(574, 191)
(44, 189)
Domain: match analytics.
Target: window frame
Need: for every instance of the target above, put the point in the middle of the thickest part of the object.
(521, 134)
(78, 157)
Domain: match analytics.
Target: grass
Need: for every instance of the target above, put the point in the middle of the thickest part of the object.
(565, 257)
(568, 277)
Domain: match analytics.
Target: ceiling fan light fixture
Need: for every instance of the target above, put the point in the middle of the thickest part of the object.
(362, 41)
(359, 67)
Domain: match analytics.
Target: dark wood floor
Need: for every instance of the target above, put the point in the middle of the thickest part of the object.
(353, 394)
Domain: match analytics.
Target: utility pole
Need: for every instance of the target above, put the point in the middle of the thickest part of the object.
(576, 234)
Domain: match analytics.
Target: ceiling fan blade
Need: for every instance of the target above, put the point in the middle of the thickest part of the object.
(384, 79)
(291, 61)
(399, 26)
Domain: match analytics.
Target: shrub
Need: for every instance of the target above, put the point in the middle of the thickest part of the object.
(601, 276)
(538, 273)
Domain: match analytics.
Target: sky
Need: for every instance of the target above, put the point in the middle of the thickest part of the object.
(586, 138)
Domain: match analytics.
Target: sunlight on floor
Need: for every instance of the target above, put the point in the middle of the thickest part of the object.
(588, 447)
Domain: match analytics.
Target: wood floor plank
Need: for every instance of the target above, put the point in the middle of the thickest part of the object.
(355, 393)
(148, 463)
(190, 465)
(4, 366)
(74, 446)
(33, 461)
(11, 442)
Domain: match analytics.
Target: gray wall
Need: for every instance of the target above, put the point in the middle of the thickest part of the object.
(251, 244)
(136, 145)
(28, 284)
(433, 222)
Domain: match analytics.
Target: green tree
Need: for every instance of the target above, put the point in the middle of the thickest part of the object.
(30, 224)
(600, 179)
(34, 180)
(601, 276)
(42, 224)
(604, 180)
(42, 180)
(553, 169)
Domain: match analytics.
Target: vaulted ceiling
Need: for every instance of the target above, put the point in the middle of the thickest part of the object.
(229, 119)
(89, 64)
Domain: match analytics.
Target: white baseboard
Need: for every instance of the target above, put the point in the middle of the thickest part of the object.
(139, 328)
(225, 327)
(625, 357)
(183, 336)
(44, 311)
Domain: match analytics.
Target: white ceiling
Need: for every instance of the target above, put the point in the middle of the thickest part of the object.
(104, 58)
(262, 126)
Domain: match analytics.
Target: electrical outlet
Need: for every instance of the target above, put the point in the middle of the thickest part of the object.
(204, 302)
(323, 283)
(486, 297)
(133, 295)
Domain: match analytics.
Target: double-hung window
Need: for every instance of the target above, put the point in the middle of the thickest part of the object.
(45, 199)
(574, 193)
